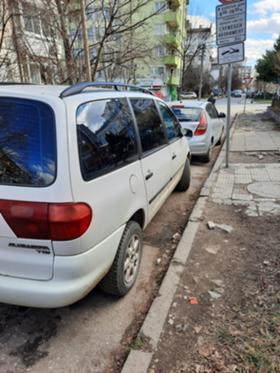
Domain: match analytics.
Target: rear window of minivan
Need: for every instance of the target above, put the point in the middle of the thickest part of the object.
(27, 143)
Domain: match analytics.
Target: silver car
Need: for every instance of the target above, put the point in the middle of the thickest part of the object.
(207, 125)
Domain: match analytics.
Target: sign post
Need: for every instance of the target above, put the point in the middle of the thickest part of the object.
(231, 34)
(229, 81)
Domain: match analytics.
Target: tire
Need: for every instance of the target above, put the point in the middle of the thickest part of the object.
(119, 280)
(207, 157)
(185, 181)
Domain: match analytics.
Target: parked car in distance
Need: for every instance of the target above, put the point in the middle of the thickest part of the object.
(236, 93)
(188, 95)
(82, 173)
(217, 92)
(207, 125)
(250, 93)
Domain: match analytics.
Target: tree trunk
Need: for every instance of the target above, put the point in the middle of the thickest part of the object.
(66, 43)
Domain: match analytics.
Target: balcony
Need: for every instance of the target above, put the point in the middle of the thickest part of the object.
(173, 4)
(173, 61)
(172, 40)
(173, 80)
(172, 18)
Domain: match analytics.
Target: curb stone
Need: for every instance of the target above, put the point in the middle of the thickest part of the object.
(137, 360)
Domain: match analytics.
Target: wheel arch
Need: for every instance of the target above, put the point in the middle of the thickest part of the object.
(139, 217)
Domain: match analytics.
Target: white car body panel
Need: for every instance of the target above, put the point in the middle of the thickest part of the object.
(158, 163)
(74, 277)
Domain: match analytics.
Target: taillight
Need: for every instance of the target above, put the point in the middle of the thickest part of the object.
(46, 221)
(202, 126)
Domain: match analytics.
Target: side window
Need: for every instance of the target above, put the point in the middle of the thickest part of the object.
(151, 129)
(211, 111)
(172, 124)
(106, 136)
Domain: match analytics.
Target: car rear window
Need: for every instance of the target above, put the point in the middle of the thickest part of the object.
(187, 114)
(27, 143)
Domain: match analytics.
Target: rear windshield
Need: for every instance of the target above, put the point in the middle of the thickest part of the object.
(27, 143)
(187, 114)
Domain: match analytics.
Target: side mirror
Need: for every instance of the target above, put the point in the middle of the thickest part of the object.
(221, 115)
(186, 132)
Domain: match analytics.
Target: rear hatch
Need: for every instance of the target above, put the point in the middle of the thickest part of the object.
(188, 116)
(27, 164)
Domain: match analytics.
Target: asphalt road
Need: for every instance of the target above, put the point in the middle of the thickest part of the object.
(94, 334)
(237, 106)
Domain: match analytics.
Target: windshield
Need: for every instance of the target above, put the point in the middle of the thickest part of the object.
(27, 143)
(187, 114)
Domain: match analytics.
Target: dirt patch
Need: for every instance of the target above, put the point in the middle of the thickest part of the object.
(255, 157)
(261, 122)
(235, 278)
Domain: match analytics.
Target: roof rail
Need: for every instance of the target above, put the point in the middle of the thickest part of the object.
(79, 87)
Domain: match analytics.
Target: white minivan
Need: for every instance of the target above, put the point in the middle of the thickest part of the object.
(83, 169)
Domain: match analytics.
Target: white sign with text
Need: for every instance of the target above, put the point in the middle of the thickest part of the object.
(231, 23)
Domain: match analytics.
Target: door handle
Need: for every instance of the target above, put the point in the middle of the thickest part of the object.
(174, 156)
(149, 175)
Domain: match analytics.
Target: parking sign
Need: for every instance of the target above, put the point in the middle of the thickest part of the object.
(231, 23)
(231, 53)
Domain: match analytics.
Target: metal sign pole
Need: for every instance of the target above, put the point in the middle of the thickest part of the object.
(245, 102)
(228, 111)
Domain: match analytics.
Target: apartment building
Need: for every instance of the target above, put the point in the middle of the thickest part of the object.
(31, 50)
(43, 45)
(166, 34)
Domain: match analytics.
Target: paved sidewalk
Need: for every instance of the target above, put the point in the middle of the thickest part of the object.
(252, 187)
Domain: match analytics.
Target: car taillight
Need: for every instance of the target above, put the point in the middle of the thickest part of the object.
(46, 221)
(202, 126)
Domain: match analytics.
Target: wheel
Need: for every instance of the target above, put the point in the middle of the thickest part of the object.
(221, 138)
(207, 157)
(185, 181)
(123, 273)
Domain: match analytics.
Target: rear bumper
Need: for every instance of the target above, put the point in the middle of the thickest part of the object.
(74, 277)
(199, 146)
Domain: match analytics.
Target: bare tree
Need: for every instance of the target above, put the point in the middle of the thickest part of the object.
(58, 49)
(117, 43)
(8, 59)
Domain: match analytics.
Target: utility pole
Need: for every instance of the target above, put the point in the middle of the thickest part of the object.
(202, 47)
(85, 39)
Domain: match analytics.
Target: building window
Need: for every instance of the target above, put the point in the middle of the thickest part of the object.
(160, 6)
(159, 71)
(160, 51)
(34, 21)
(35, 75)
(160, 29)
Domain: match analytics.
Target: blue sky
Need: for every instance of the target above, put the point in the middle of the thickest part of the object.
(263, 23)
